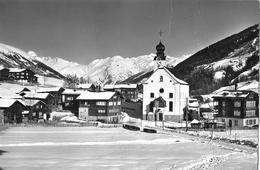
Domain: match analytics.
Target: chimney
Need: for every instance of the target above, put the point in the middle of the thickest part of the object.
(235, 86)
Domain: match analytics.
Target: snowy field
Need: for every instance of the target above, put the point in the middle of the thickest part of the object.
(63, 148)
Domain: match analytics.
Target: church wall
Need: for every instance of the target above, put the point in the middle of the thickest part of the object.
(169, 85)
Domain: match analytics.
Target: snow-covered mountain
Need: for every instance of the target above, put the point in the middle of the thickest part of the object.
(228, 61)
(108, 70)
(14, 57)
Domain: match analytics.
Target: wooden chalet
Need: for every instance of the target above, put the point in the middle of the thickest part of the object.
(69, 101)
(4, 74)
(46, 98)
(37, 110)
(11, 111)
(24, 75)
(128, 91)
(56, 92)
(101, 106)
(237, 108)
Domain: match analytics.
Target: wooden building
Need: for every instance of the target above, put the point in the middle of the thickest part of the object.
(23, 75)
(4, 74)
(128, 91)
(46, 98)
(237, 108)
(133, 109)
(56, 92)
(37, 110)
(89, 87)
(101, 106)
(69, 101)
(11, 110)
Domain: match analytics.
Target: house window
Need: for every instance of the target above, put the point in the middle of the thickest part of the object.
(101, 111)
(223, 104)
(237, 103)
(119, 103)
(250, 113)
(223, 111)
(170, 95)
(170, 106)
(237, 113)
(250, 104)
(161, 78)
(236, 122)
(152, 95)
(101, 103)
(110, 103)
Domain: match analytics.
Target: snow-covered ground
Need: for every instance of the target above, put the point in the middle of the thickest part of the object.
(78, 148)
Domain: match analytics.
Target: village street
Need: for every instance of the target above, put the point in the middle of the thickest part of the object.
(56, 148)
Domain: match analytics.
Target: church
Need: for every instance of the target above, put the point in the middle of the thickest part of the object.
(164, 95)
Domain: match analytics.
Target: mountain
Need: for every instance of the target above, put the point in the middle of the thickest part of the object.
(228, 61)
(16, 58)
(108, 70)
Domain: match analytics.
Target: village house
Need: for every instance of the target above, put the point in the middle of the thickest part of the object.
(4, 74)
(88, 86)
(11, 111)
(237, 108)
(163, 85)
(22, 75)
(46, 98)
(36, 110)
(101, 106)
(69, 101)
(128, 91)
(56, 92)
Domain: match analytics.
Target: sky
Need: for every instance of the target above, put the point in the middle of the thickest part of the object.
(85, 30)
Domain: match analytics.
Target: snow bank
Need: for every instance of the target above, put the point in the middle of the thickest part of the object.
(72, 119)
(59, 115)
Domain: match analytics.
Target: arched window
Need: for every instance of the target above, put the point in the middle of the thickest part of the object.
(161, 78)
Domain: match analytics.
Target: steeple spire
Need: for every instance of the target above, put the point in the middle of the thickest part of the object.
(160, 49)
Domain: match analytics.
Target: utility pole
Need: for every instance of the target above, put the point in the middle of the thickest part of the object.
(186, 112)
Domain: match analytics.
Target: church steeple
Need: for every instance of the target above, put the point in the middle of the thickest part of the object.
(160, 50)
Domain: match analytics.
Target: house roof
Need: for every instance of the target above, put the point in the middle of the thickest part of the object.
(5, 103)
(87, 95)
(15, 70)
(73, 91)
(9, 94)
(232, 94)
(48, 89)
(84, 86)
(120, 86)
(30, 102)
(36, 95)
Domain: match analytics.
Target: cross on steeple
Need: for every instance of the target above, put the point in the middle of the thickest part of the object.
(160, 33)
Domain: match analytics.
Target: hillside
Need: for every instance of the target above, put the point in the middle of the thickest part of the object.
(14, 57)
(231, 60)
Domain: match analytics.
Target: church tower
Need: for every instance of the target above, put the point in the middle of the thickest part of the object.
(160, 57)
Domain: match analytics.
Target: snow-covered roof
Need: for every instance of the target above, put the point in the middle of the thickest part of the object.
(120, 86)
(109, 86)
(5, 103)
(48, 89)
(36, 95)
(231, 94)
(84, 86)
(9, 94)
(12, 70)
(87, 95)
(30, 102)
(125, 86)
(73, 91)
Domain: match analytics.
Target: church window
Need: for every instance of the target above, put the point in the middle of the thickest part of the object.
(152, 95)
(170, 106)
(170, 95)
(161, 78)
(161, 90)
(151, 107)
